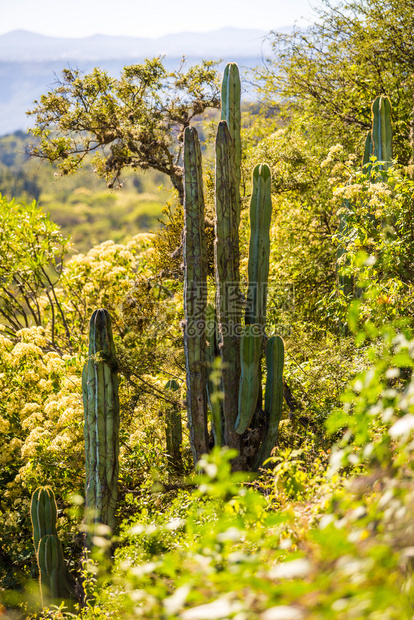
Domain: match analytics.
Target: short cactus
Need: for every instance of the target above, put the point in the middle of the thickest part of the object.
(56, 583)
(43, 512)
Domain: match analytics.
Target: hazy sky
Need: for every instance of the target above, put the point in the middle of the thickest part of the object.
(148, 18)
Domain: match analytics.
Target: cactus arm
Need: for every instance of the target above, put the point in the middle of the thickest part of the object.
(88, 390)
(231, 113)
(259, 249)
(249, 389)
(227, 281)
(378, 143)
(195, 294)
(258, 271)
(112, 456)
(273, 397)
(382, 131)
(100, 422)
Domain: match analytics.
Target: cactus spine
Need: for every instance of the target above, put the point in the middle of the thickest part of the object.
(56, 584)
(101, 429)
(240, 348)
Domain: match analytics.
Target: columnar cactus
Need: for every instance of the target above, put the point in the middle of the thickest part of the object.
(101, 429)
(379, 138)
(238, 421)
(226, 250)
(258, 270)
(56, 584)
(195, 294)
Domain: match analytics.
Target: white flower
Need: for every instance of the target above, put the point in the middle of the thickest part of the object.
(221, 608)
(290, 570)
(402, 427)
(282, 612)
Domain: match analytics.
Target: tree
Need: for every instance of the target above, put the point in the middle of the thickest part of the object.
(332, 71)
(135, 122)
(32, 250)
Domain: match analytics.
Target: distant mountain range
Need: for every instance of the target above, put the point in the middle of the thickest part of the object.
(22, 46)
(30, 63)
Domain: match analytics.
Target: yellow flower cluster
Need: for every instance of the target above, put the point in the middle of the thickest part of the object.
(34, 335)
(41, 412)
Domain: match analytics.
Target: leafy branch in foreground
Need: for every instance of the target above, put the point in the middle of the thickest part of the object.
(136, 121)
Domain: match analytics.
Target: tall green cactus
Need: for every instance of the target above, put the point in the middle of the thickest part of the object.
(56, 583)
(101, 429)
(243, 423)
(227, 279)
(195, 294)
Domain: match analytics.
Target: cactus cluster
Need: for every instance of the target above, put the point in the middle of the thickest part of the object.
(238, 421)
(101, 429)
(56, 583)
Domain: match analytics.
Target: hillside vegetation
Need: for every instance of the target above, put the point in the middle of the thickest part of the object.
(82, 206)
(214, 420)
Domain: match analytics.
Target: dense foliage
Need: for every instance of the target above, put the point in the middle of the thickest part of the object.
(325, 531)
